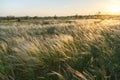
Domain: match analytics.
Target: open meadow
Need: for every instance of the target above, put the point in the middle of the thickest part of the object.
(56, 49)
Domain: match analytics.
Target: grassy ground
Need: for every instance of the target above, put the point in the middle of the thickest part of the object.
(60, 50)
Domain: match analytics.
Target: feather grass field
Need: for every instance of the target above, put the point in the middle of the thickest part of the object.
(85, 49)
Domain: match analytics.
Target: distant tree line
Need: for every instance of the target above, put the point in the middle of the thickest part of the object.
(97, 16)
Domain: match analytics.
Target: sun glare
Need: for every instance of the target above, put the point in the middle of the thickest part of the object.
(115, 9)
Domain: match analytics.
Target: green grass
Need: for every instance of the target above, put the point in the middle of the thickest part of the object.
(60, 50)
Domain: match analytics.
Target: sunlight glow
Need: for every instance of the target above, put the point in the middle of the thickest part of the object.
(115, 9)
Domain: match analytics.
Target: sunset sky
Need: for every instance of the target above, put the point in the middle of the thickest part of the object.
(57, 7)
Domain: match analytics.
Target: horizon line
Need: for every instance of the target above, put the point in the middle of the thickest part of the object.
(60, 15)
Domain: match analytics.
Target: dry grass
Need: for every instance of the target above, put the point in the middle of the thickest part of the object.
(80, 50)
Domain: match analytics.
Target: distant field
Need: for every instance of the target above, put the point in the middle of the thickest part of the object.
(55, 49)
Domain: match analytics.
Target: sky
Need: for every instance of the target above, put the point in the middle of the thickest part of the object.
(54, 7)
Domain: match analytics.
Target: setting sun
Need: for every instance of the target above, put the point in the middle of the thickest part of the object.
(115, 9)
